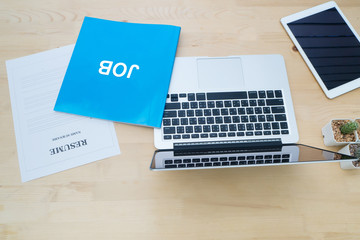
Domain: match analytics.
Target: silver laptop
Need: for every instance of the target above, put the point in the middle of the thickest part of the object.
(240, 104)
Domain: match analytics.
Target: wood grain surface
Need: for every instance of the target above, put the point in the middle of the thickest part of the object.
(120, 198)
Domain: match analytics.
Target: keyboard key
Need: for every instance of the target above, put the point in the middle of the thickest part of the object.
(275, 125)
(177, 161)
(244, 119)
(227, 104)
(195, 135)
(185, 136)
(258, 126)
(283, 125)
(278, 93)
(190, 113)
(241, 111)
(236, 103)
(235, 119)
(169, 114)
(267, 126)
(276, 132)
(200, 96)
(232, 127)
(184, 121)
(204, 135)
(219, 104)
(180, 129)
(224, 111)
(189, 129)
(198, 129)
(234, 163)
(215, 128)
(244, 103)
(181, 113)
(191, 97)
(280, 117)
(210, 120)
(211, 104)
(241, 127)
(182, 95)
(218, 120)
(190, 165)
(213, 135)
(172, 105)
(199, 165)
(196, 160)
(202, 104)
(224, 128)
(185, 105)
(274, 102)
(169, 130)
(249, 110)
(171, 166)
(249, 127)
(193, 121)
(284, 131)
(193, 105)
(175, 121)
(167, 137)
(240, 134)
(270, 93)
(253, 94)
(222, 134)
(231, 134)
(206, 128)
(207, 112)
(227, 119)
(216, 164)
(258, 110)
(262, 94)
(266, 110)
(227, 95)
(174, 97)
(252, 103)
(267, 133)
(181, 165)
(261, 118)
(277, 109)
(209, 164)
(270, 118)
(216, 112)
(168, 161)
(199, 113)
(233, 111)
(253, 118)
(201, 120)
(166, 122)
(261, 102)
(249, 134)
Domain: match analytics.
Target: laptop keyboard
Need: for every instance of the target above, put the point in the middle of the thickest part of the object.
(215, 161)
(224, 114)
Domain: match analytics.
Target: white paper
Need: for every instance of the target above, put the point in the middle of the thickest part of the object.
(49, 141)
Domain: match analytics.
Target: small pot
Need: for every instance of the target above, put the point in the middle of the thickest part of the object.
(358, 130)
(328, 134)
(349, 164)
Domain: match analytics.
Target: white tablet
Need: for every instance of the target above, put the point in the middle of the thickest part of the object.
(329, 45)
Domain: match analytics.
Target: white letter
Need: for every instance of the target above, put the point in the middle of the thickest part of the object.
(107, 68)
(123, 72)
(131, 68)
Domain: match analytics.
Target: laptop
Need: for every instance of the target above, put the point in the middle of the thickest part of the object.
(228, 112)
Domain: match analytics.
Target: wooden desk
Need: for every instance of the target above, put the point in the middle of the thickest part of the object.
(120, 198)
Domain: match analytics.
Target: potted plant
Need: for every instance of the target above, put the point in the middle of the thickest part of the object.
(358, 130)
(352, 149)
(340, 132)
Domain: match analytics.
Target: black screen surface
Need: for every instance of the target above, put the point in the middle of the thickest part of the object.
(330, 45)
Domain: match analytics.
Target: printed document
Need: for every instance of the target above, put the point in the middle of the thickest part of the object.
(49, 141)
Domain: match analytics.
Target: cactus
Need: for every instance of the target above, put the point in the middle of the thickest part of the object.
(349, 127)
(357, 153)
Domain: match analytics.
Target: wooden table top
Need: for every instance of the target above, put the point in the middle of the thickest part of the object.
(120, 198)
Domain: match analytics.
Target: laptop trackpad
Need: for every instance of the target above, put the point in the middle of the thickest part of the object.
(220, 74)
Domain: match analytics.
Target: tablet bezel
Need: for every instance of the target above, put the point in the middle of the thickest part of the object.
(306, 13)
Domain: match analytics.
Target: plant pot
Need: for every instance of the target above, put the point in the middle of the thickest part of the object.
(332, 135)
(349, 150)
(358, 130)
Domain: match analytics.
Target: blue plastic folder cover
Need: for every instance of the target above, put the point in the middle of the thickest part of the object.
(120, 71)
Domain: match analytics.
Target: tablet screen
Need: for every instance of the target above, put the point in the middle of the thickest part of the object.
(330, 45)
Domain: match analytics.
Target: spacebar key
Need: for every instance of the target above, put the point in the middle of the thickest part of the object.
(226, 95)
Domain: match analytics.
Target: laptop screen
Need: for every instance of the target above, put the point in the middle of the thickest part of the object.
(275, 155)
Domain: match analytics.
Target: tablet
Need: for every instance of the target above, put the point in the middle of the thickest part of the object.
(329, 45)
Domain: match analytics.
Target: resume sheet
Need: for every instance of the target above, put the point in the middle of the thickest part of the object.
(49, 141)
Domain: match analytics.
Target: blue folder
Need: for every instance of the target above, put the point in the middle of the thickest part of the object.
(120, 71)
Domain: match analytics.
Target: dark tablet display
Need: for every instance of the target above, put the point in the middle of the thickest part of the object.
(330, 45)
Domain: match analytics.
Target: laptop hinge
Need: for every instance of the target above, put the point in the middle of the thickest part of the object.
(228, 145)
